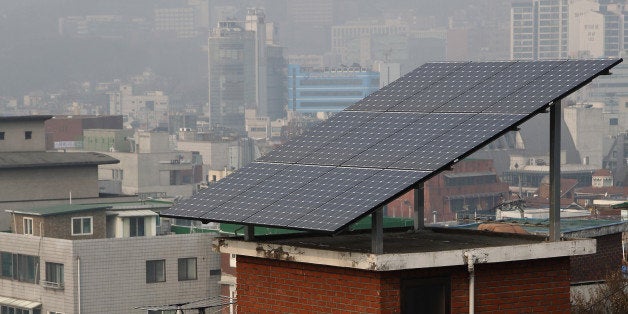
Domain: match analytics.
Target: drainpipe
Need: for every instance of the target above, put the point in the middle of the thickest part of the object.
(78, 279)
(471, 259)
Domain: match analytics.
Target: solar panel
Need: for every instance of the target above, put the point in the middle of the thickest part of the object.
(265, 193)
(229, 188)
(334, 128)
(311, 196)
(359, 200)
(382, 146)
(451, 86)
(360, 138)
(410, 84)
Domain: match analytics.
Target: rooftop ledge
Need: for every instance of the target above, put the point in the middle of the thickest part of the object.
(428, 248)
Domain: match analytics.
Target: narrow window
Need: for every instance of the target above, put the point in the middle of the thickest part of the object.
(187, 268)
(54, 275)
(6, 260)
(156, 271)
(28, 226)
(1, 136)
(28, 135)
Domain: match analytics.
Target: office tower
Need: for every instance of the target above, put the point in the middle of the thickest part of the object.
(231, 53)
(246, 71)
(539, 29)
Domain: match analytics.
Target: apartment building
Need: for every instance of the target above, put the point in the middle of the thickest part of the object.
(101, 258)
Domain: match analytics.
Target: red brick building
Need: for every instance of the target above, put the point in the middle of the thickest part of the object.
(419, 272)
(471, 186)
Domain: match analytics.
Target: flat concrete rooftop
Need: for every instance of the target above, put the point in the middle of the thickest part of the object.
(434, 247)
(428, 240)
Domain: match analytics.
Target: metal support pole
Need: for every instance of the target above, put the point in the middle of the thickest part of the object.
(554, 210)
(419, 211)
(249, 233)
(377, 231)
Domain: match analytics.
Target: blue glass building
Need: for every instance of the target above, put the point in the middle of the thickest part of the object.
(328, 89)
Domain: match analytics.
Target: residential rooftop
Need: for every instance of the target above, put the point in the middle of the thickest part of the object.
(12, 160)
(404, 249)
(73, 208)
(24, 118)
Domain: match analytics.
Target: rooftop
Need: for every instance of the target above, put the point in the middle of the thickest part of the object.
(11, 160)
(60, 209)
(432, 247)
(24, 118)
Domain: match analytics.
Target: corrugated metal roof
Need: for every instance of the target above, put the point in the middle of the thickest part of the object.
(59, 209)
(133, 213)
(52, 159)
(22, 304)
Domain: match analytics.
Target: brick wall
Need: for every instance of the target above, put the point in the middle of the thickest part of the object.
(270, 286)
(596, 266)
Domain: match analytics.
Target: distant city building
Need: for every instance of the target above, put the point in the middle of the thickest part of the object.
(356, 40)
(66, 132)
(328, 89)
(559, 29)
(148, 166)
(540, 29)
(178, 21)
(309, 25)
(222, 150)
(101, 26)
(246, 71)
(149, 110)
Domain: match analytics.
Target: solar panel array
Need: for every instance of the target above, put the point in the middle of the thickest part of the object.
(385, 144)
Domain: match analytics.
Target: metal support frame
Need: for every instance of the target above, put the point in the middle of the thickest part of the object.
(377, 231)
(249, 233)
(554, 175)
(419, 211)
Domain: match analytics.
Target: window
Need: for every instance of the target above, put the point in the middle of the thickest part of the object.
(19, 267)
(613, 121)
(156, 271)
(136, 226)
(6, 260)
(28, 135)
(54, 275)
(1, 136)
(428, 295)
(82, 226)
(27, 267)
(28, 226)
(187, 268)
(5, 309)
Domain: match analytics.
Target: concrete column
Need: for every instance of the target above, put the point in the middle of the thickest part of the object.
(377, 231)
(249, 233)
(419, 211)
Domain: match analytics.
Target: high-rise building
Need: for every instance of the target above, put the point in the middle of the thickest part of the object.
(246, 71)
(231, 74)
(539, 29)
(559, 29)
